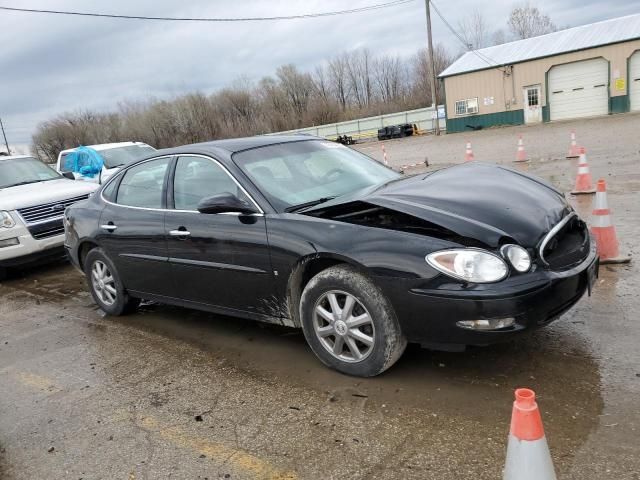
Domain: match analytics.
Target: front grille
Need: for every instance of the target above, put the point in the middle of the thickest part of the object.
(50, 229)
(47, 211)
(568, 246)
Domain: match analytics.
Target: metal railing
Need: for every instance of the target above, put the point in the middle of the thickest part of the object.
(423, 118)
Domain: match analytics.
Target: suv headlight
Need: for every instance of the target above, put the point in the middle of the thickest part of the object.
(469, 264)
(517, 256)
(6, 220)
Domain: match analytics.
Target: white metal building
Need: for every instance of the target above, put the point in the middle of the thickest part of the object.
(579, 72)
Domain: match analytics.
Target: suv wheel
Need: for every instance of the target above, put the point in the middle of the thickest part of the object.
(105, 284)
(349, 324)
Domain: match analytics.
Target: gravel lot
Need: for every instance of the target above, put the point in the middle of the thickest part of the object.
(173, 393)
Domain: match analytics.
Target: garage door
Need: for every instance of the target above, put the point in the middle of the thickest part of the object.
(579, 89)
(634, 81)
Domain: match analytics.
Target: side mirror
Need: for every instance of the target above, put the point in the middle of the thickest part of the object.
(224, 203)
(69, 175)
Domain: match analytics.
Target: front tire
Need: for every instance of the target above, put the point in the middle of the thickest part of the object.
(105, 285)
(349, 324)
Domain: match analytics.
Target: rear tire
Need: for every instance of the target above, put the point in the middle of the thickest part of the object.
(3, 274)
(105, 285)
(349, 324)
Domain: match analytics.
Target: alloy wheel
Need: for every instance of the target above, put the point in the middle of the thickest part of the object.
(103, 283)
(343, 326)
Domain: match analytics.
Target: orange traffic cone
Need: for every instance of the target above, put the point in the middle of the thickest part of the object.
(528, 456)
(468, 155)
(603, 230)
(574, 150)
(584, 183)
(521, 155)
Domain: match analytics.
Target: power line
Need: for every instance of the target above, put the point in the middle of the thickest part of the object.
(488, 60)
(231, 19)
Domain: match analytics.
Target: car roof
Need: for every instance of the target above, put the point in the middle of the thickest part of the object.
(108, 146)
(235, 145)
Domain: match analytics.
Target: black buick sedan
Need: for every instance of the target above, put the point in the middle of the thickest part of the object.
(307, 233)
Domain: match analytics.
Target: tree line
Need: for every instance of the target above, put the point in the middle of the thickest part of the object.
(350, 85)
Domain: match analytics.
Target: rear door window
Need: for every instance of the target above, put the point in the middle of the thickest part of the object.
(143, 185)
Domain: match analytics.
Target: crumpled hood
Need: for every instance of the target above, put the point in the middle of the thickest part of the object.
(32, 194)
(482, 201)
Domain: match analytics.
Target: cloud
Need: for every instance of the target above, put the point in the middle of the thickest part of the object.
(51, 64)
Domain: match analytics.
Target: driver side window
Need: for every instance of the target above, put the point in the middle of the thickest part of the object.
(197, 178)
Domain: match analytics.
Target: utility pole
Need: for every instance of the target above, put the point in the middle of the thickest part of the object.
(432, 67)
(5, 137)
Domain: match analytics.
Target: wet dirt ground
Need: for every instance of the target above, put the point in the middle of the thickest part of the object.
(174, 393)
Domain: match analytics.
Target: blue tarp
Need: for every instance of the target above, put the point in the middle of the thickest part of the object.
(85, 161)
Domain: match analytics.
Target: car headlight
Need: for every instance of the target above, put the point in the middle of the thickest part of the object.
(6, 221)
(469, 264)
(517, 256)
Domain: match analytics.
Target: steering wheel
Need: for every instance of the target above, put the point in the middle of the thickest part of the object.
(331, 173)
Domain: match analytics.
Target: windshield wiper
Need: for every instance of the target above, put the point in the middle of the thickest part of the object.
(302, 206)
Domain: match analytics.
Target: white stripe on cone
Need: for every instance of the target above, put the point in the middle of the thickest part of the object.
(600, 202)
(601, 221)
(528, 460)
(582, 170)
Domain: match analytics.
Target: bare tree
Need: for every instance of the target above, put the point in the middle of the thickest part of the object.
(474, 30)
(358, 69)
(275, 106)
(421, 71)
(50, 138)
(338, 79)
(321, 83)
(298, 88)
(526, 21)
(348, 86)
(195, 118)
(238, 108)
(388, 74)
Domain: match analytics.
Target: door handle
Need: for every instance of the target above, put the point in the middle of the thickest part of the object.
(110, 227)
(179, 233)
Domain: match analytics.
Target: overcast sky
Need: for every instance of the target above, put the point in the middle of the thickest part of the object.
(50, 64)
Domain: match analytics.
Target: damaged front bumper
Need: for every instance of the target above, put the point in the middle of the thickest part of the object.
(439, 317)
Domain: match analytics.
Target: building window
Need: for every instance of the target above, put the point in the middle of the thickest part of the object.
(466, 107)
(532, 97)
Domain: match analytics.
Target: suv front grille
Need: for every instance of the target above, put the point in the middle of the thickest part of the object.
(44, 221)
(50, 229)
(47, 211)
(568, 245)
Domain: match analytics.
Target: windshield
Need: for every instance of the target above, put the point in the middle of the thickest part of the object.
(117, 157)
(298, 173)
(20, 171)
